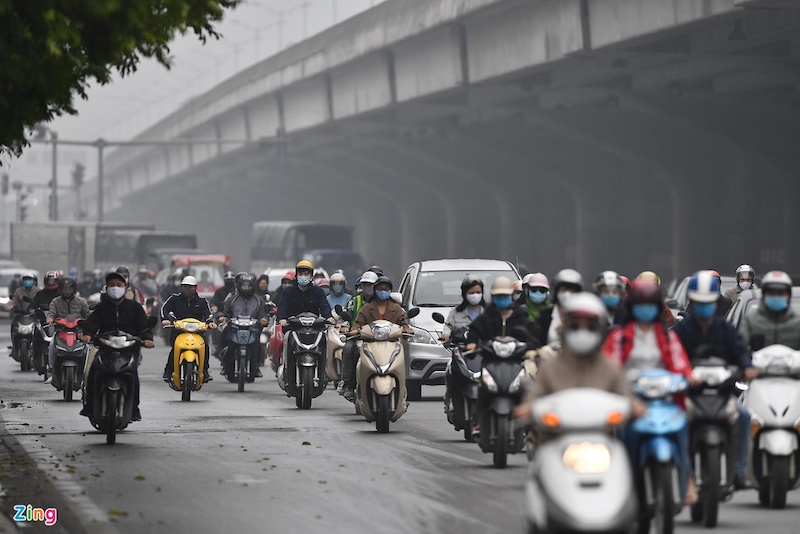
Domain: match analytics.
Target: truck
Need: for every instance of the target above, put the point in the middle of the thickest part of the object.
(132, 247)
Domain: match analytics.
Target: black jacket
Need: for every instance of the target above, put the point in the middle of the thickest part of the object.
(294, 301)
(542, 325)
(489, 325)
(728, 344)
(195, 308)
(220, 295)
(128, 316)
(45, 296)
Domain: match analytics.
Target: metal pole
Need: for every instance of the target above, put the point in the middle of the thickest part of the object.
(54, 184)
(100, 144)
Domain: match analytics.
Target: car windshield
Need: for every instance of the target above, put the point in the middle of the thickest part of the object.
(443, 288)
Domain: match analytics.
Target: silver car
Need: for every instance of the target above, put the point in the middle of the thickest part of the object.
(435, 286)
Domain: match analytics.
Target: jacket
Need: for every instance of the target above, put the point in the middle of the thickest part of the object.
(569, 371)
(342, 300)
(295, 301)
(619, 343)
(490, 324)
(456, 320)
(542, 325)
(61, 307)
(369, 313)
(45, 296)
(128, 316)
(777, 328)
(17, 301)
(727, 342)
(239, 306)
(195, 308)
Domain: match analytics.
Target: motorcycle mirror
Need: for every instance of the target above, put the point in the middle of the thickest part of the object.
(172, 316)
(741, 386)
(413, 312)
(397, 297)
(344, 314)
(438, 317)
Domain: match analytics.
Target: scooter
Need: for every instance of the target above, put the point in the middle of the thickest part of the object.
(190, 355)
(70, 356)
(774, 403)
(654, 442)
(305, 333)
(580, 478)
(713, 414)
(243, 333)
(42, 337)
(502, 379)
(22, 339)
(334, 347)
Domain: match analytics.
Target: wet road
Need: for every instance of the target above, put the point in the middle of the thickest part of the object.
(252, 462)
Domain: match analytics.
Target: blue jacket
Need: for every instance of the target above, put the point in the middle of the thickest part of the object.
(341, 300)
(728, 343)
(295, 301)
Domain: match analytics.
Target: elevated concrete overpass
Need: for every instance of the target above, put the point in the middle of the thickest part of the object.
(624, 134)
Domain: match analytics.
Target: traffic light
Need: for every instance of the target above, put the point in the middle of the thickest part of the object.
(4, 184)
(77, 174)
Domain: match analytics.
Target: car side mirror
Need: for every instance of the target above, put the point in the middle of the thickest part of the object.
(397, 297)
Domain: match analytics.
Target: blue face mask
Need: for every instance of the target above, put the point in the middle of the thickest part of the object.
(303, 280)
(537, 297)
(644, 313)
(776, 303)
(28, 283)
(502, 301)
(611, 301)
(383, 295)
(704, 310)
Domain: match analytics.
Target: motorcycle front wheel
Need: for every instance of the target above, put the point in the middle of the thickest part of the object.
(24, 351)
(382, 418)
(188, 380)
(306, 388)
(500, 452)
(111, 421)
(779, 481)
(69, 382)
(242, 372)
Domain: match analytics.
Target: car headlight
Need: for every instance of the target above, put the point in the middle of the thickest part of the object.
(504, 349)
(488, 380)
(587, 458)
(423, 336)
(517, 382)
(381, 332)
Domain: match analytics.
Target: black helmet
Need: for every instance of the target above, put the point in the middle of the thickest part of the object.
(229, 278)
(239, 275)
(67, 286)
(125, 272)
(246, 285)
(376, 269)
(383, 280)
(469, 282)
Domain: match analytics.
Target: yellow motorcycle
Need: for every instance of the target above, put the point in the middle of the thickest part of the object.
(190, 357)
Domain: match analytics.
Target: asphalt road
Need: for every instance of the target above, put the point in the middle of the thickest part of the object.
(252, 462)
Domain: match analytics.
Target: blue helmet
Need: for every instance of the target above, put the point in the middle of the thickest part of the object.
(703, 287)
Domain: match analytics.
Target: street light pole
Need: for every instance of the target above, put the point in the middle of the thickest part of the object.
(100, 144)
(54, 184)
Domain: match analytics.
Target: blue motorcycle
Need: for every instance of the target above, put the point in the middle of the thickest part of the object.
(657, 442)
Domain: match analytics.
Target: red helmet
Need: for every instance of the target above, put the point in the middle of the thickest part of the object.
(645, 292)
(288, 276)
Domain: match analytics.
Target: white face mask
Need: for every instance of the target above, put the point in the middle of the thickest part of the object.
(116, 292)
(582, 342)
(474, 298)
(745, 285)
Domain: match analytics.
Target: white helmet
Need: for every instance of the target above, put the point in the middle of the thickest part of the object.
(607, 279)
(776, 278)
(189, 281)
(502, 286)
(568, 277)
(745, 269)
(369, 278)
(585, 304)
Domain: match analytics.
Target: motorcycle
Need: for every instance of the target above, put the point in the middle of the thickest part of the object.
(462, 378)
(115, 383)
(305, 333)
(243, 334)
(502, 378)
(42, 337)
(70, 356)
(580, 478)
(22, 332)
(712, 413)
(334, 347)
(190, 354)
(774, 403)
(654, 444)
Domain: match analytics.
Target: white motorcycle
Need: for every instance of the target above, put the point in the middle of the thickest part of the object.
(580, 478)
(773, 400)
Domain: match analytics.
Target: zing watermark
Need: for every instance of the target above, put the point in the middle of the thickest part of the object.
(24, 514)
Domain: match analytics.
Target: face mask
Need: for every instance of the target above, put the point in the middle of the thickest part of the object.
(745, 285)
(502, 301)
(28, 283)
(611, 301)
(645, 313)
(516, 295)
(383, 295)
(368, 291)
(776, 303)
(337, 289)
(704, 310)
(582, 342)
(537, 297)
(303, 280)
(116, 292)
(285, 284)
(474, 298)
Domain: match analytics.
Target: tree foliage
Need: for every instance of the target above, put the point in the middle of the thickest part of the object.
(51, 50)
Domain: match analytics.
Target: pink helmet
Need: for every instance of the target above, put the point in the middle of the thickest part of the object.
(537, 280)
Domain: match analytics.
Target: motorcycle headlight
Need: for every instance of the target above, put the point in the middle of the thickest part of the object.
(25, 328)
(778, 366)
(504, 349)
(517, 382)
(381, 333)
(488, 381)
(191, 327)
(587, 458)
(117, 342)
(654, 387)
(423, 336)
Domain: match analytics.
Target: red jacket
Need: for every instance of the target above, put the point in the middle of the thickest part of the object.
(619, 343)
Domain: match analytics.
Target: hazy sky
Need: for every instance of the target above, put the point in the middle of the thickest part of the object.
(255, 30)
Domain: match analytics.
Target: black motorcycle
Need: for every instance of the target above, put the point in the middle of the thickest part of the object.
(42, 337)
(22, 331)
(241, 352)
(303, 376)
(502, 382)
(713, 414)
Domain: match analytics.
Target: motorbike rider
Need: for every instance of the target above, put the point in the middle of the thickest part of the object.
(146, 283)
(379, 306)
(666, 313)
(609, 287)
(471, 306)
(565, 283)
(774, 322)
(501, 317)
(262, 287)
(745, 279)
(517, 296)
(173, 284)
(218, 300)
(286, 281)
(131, 292)
(536, 295)
(185, 305)
(115, 312)
(67, 303)
(644, 342)
(302, 296)
(722, 304)
(48, 293)
(245, 303)
(15, 282)
(29, 289)
(364, 291)
(338, 296)
(704, 327)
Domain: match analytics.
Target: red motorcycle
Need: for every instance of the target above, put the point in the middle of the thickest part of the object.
(70, 356)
